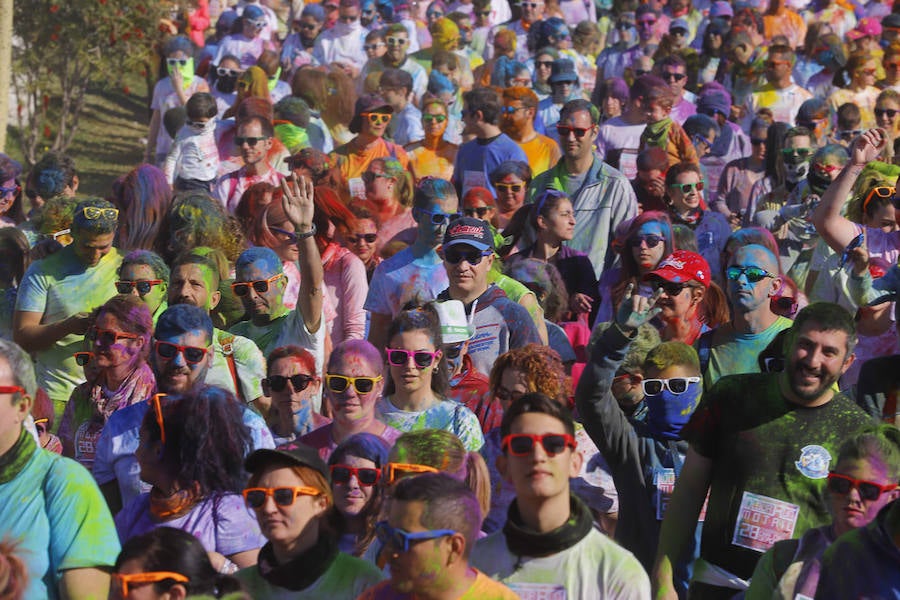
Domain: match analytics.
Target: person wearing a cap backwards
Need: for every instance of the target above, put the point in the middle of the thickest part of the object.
(371, 118)
(289, 491)
(500, 324)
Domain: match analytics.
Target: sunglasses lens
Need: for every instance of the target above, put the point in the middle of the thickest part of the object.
(124, 287)
(241, 289)
(283, 496)
(521, 445)
(337, 383)
(678, 385)
(105, 338)
(261, 287)
(755, 274)
(277, 383)
(143, 288)
(166, 350)
(868, 491)
(397, 357)
(256, 498)
(300, 382)
(652, 387)
(367, 476)
(364, 385)
(452, 352)
(193, 355)
(423, 359)
(554, 444)
(340, 474)
(82, 359)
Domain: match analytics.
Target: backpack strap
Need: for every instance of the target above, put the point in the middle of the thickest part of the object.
(226, 341)
(704, 347)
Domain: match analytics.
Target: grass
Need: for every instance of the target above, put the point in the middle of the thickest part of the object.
(108, 143)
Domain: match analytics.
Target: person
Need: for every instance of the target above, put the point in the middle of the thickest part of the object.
(649, 182)
(519, 110)
(511, 180)
(818, 349)
(171, 92)
(191, 452)
(118, 376)
(549, 538)
(415, 271)
(414, 395)
(429, 533)
(861, 91)
(144, 197)
(433, 155)
(67, 547)
(356, 466)
(254, 140)
(673, 70)
(397, 57)
(661, 130)
(862, 482)
(330, 96)
(564, 86)
(145, 275)
(500, 323)
(174, 561)
(193, 161)
(371, 118)
(181, 360)
(362, 240)
(752, 280)
(289, 493)
(15, 255)
(342, 44)
(353, 385)
(478, 158)
(601, 196)
(12, 207)
(57, 295)
(532, 14)
(740, 175)
(293, 411)
(780, 94)
(260, 283)
(237, 364)
(297, 48)
(249, 42)
(395, 85)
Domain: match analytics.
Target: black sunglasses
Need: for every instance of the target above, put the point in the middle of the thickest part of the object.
(670, 288)
(278, 383)
(365, 476)
(454, 256)
(476, 212)
(250, 141)
(652, 240)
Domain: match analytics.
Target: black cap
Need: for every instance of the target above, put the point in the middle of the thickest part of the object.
(292, 454)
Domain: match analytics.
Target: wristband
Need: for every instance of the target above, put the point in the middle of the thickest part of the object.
(310, 233)
(228, 567)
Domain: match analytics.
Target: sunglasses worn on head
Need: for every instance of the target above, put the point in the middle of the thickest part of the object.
(108, 337)
(83, 358)
(377, 118)
(433, 118)
(687, 188)
(868, 490)
(652, 240)
(283, 496)
(393, 472)
(340, 383)
(143, 286)
(261, 286)
(565, 131)
(250, 141)
(400, 540)
(478, 212)
(124, 583)
(753, 274)
(423, 359)
(523, 444)
(368, 238)
(366, 477)
(455, 255)
(676, 385)
(278, 383)
(881, 191)
(92, 213)
(168, 350)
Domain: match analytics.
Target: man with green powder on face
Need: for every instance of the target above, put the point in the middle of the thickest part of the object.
(762, 444)
(58, 294)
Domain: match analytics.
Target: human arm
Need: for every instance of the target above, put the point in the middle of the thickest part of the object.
(356, 286)
(530, 303)
(378, 327)
(89, 583)
(155, 122)
(33, 336)
(680, 521)
(835, 229)
(298, 206)
(172, 161)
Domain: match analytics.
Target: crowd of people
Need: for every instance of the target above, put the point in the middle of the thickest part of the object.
(479, 300)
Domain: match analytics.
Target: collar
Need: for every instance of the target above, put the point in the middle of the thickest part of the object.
(302, 570)
(15, 459)
(527, 542)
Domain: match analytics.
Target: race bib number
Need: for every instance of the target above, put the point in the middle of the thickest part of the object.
(539, 591)
(473, 179)
(628, 163)
(664, 480)
(762, 521)
(357, 188)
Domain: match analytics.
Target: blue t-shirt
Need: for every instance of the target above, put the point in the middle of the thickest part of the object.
(476, 161)
(115, 460)
(55, 512)
(403, 277)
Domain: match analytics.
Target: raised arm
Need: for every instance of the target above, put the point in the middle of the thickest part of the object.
(299, 208)
(32, 335)
(835, 229)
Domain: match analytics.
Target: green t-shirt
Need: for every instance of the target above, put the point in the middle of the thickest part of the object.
(345, 579)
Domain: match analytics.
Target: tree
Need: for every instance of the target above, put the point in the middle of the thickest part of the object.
(64, 47)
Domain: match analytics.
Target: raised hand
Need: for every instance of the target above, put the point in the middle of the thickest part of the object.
(867, 147)
(297, 201)
(635, 310)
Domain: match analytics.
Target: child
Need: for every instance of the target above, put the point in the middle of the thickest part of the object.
(193, 162)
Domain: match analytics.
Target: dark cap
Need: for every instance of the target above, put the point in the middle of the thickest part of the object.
(9, 168)
(292, 454)
(253, 12)
(368, 103)
(471, 231)
(562, 70)
(391, 78)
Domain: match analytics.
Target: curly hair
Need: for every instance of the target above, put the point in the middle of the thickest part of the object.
(541, 365)
(196, 219)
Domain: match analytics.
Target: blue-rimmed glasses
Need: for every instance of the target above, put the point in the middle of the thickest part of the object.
(401, 540)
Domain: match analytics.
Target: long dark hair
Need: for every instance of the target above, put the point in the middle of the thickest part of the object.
(424, 317)
(630, 269)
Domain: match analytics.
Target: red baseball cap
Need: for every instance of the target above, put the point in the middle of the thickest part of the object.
(682, 266)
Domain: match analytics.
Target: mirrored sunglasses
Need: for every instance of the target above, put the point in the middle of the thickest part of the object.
(753, 274)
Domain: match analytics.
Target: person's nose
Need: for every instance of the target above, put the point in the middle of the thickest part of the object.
(353, 483)
(178, 360)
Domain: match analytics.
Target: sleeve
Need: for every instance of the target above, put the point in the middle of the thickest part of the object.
(467, 428)
(102, 469)
(84, 534)
(251, 367)
(522, 330)
(32, 294)
(157, 101)
(236, 530)
(356, 287)
(172, 160)
(223, 189)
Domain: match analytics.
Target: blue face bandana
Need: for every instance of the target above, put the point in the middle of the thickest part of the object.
(667, 413)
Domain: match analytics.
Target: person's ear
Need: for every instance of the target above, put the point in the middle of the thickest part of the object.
(23, 407)
(851, 358)
(775, 287)
(74, 186)
(575, 463)
(214, 299)
(457, 548)
(176, 592)
(541, 222)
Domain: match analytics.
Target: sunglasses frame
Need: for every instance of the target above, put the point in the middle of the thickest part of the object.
(83, 358)
(246, 285)
(154, 401)
(479, 211)
(92, 213)
(12, 389)
(508, 441)
(637, 240)
(687, 188)
(304, 379)
(368, 238)
(125, 580)
(664, 385)
(564, 130)
(469, 257)
(858, 483)
(438, 218)
(249, 140)
(428, 118)
(179, 349)
(734, 273)
(354, 472)
(376, 118)
(93, 334)
(299, 490)
(515, 188)
(389, 471)
(881, 191)
(351, 381)
(433, 356)
(401, 540)
(149, 283)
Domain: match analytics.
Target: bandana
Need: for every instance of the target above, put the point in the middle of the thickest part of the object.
(12, 463)
(527, 542)
(187, 72)
(656, 135)
(301, 571)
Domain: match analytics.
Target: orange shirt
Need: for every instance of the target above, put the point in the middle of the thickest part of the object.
(351, 164)
(542, 152)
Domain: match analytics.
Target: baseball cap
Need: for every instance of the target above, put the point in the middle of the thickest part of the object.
(683, 266)
(892, 20)
(368, 103)
(563, 69)
(292, 454)
(471, 231)
(253, 12)
(720, 9)
(679, 23)
(455, 327)
(866, 27)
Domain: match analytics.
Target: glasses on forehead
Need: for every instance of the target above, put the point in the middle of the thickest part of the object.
(283, 496)
(260, 286)
(143, 286)
(753, 274)
(523, 444)
(868, 490)
(394, 471)
(366, 477)
(278, 383)
(340, 383)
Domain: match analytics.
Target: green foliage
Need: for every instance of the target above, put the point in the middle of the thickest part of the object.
(62, 47)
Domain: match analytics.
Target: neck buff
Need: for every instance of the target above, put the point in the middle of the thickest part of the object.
(667, 413)
(302, 570)
(226, 83)
(527, 542)
(12, 463)
(273, 81)
(201, 128)
(656, 135)
(795, 173)
(164, 508)
(187, 72)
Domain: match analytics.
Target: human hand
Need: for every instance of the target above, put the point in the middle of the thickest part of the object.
(635, 310)
(78, 323)
(297, 201)
(859, 258)
(580, 303)
(867, 147)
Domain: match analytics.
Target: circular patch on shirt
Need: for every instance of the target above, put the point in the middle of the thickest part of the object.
(814, 461)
